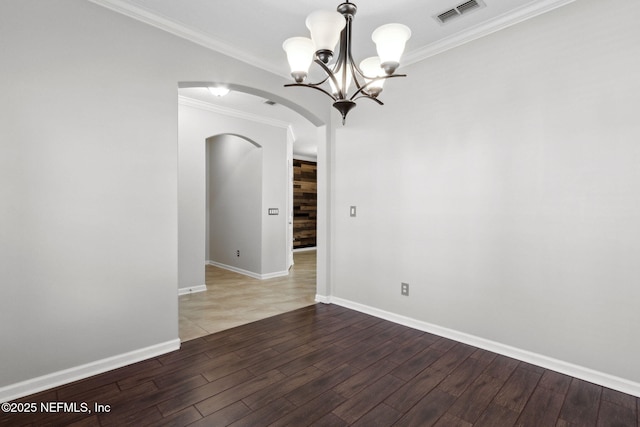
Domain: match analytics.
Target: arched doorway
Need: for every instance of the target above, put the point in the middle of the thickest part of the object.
(198, 123)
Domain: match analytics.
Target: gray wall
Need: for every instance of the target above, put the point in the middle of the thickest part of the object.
(501, 181)
(196, 124)
(235, 200)
(89, 181)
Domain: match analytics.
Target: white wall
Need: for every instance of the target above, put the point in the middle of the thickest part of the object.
(501, 181)
(275, 192)
(324, 229)
(196, 124)
(89, 184)
(235, 213)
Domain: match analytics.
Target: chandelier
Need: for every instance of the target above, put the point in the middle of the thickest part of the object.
(329, 27)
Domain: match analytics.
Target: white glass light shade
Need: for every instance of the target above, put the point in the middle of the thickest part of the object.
(300, 52)
(338, 75)
(325, 27)
(370, 67)
(390, 40)
(218, 90)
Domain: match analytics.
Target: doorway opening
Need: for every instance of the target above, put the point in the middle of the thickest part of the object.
(229, 296)
(305, 204)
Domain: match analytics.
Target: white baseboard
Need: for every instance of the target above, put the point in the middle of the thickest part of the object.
(311, 248)
(273, 275)
(590, 375)
(323, 299)
(192, 289)
(55, 379)
(249, 273)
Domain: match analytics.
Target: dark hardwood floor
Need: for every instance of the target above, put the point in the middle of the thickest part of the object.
(325, 365)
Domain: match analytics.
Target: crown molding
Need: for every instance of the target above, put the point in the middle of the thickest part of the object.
(180, 30)
(496, 24)
(195, 103)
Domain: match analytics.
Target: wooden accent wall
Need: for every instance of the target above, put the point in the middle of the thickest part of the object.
(305, 206)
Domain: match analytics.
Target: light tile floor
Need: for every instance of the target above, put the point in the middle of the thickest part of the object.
(234, 299)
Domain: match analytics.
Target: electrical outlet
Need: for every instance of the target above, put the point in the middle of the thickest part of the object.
(238, 253)
(404, 289)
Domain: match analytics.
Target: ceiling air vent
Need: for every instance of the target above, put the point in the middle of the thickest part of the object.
(459, 10)
(465, 7)
(445, 16)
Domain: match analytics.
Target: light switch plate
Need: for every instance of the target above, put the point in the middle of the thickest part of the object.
(352, 211)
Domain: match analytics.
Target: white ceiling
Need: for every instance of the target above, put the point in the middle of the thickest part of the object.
(253, 31)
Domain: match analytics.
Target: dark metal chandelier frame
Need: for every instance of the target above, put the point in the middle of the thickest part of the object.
(339, 73)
